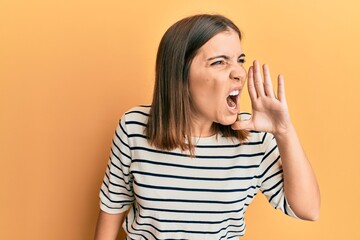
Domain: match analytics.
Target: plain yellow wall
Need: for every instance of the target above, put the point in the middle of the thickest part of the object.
(69, 69)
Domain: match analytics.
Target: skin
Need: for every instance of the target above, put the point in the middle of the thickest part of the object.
(216, 70)
(108, 225)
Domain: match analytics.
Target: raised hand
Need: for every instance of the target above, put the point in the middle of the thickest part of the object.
(269, 112)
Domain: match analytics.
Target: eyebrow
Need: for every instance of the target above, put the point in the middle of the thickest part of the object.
(224, 56)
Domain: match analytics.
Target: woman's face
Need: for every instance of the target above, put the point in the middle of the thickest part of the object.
(217, 77)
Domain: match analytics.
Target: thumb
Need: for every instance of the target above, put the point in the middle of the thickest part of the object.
(243, 125)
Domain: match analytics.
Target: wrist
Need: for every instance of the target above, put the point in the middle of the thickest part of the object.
(285, 133)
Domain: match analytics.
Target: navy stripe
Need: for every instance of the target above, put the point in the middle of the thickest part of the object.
(239, 234)
(189, 221)
(192, 200)
(136, 123)
(118, 136)
(117, 176)
(206, 146)
(274, 186)
(197, 156)
(135, 111)
(229, 146)
(275, 194)
(192, 178)
(122, 194)
(193, 167)
(193, 189)
(137, 135)
(121, 127)
(272, 164)
(115, 184)
(187, 231)
(117, 208)
(190, 211)
(273, 175)
(142, 230)
(285, 207)
(116, 155)
(113, 164)
(120, 178)
(125, 202)
(268, 154)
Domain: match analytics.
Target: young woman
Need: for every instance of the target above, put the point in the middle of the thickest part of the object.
(189, 165)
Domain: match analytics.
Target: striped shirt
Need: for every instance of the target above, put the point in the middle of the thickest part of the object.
(173, 196)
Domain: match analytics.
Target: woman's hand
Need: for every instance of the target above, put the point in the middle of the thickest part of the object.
(269, 112)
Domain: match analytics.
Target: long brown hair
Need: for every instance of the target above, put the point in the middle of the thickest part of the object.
(169, 124)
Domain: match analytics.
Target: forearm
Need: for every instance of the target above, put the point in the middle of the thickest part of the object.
(108, 225)
(300, 184)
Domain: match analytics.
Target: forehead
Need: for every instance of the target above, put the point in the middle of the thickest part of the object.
(223, 43)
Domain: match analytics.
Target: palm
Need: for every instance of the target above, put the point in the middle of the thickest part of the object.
(269, 113)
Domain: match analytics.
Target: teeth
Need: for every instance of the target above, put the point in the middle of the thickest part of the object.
(234, 93)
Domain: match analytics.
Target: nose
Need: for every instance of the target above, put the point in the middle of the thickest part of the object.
(238, 72)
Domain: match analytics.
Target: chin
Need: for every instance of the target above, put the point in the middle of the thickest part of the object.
(228, 120)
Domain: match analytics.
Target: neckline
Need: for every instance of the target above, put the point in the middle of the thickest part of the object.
(199, 140)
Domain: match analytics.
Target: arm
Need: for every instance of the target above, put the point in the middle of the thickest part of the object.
(108, 225)
(300, 185)
(270, 114)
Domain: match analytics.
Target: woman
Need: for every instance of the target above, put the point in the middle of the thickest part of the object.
(188, 166)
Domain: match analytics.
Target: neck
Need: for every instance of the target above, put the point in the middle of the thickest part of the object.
(202, 129)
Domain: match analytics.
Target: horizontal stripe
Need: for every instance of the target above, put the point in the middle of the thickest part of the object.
(191, 211)
(136, 123)
(113, 154)
(198, 156)
(119, 169)
(158, 175)
(273, 175)
(137, 136)
(138, 112)
(126, 202)
(188, 221)
(269, 167)
(269, 153)
(274, 195)
(120, 185)
(192, 200)
(188, 231)
(193, 189)
(272, 187)
(193, 167)
(111, 207)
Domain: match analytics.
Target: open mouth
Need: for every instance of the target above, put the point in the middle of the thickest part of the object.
(232, 99)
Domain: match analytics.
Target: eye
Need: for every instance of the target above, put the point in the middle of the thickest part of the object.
(220, 62)
(241, 60)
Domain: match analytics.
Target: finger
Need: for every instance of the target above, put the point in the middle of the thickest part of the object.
(258, 82)
(269, 90)
(251, 87)
(281, 89)
(243, 125)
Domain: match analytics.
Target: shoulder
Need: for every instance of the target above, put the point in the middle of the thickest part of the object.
(135, 118)
(137, 113)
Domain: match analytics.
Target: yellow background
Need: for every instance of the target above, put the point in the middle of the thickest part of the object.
(69, 69)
